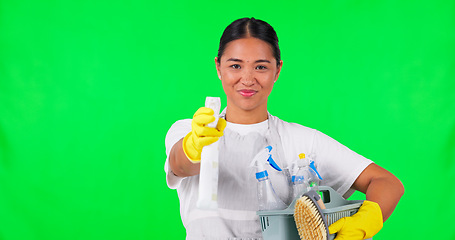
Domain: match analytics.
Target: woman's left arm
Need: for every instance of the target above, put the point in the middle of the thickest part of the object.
(380, 186)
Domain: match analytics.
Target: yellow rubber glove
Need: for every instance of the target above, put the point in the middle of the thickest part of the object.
(201, 135)
(362, 225)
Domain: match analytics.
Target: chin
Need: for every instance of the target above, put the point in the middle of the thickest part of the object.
(249, 106)
(246, 104)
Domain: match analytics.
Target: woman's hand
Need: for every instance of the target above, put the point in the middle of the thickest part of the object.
(201, 135)
(383, 191)
(362, 225)
(185, 156)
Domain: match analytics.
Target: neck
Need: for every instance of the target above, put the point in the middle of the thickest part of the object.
(240, 116)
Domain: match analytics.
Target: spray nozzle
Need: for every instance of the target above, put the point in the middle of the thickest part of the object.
(271, 161)
(264, 155)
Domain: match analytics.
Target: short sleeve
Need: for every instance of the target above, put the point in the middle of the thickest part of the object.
(338, 165)
(177, 131)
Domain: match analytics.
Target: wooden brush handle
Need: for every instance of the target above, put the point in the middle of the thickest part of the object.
(320, 203)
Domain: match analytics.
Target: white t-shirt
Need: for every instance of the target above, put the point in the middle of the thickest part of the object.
(338, 165)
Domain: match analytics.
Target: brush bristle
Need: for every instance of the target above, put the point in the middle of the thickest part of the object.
(308, 220)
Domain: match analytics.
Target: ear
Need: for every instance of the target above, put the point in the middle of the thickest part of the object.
(278, 70)
(217, 64)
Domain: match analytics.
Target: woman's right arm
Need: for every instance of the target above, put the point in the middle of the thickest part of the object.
(180, 165)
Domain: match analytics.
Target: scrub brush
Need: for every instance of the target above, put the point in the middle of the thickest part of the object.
(309, 219)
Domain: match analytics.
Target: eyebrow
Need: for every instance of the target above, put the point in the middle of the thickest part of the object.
(239, 60)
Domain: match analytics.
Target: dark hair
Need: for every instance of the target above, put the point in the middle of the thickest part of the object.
(250, 27)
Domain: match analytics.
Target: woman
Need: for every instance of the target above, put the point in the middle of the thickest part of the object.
(248, 65)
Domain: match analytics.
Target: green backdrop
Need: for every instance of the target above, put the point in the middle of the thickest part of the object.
(88, 90)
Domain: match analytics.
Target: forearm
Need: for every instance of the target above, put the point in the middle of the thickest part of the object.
(180, 164)
(386, 192)
(380, 186)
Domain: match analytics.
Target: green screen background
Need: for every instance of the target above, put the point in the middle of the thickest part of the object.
(88, 90)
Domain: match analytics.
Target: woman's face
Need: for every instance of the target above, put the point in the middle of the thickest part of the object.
(247, 70)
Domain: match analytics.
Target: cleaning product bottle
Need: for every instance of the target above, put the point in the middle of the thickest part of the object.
(208, 175)
(267, 198)
(315, 178)
(300, 180)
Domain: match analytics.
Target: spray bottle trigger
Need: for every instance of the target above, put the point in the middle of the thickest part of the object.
(314, 169)
(273, 163)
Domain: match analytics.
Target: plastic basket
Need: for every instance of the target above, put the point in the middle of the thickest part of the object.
(280, 224)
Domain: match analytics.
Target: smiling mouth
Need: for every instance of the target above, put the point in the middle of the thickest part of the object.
(247, 92)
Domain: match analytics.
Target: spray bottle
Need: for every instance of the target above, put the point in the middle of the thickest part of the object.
(267, 198)
(208, 175)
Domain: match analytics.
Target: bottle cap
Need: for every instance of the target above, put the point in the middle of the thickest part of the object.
(302, 161)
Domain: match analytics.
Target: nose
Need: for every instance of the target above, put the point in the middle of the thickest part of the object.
(248, 79)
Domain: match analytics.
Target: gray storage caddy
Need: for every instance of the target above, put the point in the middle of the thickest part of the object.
(280, 225)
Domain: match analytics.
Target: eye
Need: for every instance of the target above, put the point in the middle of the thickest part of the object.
(261, 67)
(235, 66)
